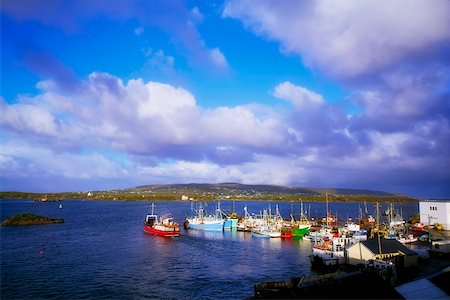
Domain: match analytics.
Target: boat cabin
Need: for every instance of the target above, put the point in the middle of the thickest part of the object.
(150, 220)
(168, 221)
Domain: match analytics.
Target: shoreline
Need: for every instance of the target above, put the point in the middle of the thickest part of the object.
(54, 197)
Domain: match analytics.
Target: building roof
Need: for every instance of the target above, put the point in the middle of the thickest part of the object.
(433, 287)
(387, 246)
(421, 289)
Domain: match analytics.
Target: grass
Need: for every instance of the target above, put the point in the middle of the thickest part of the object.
(29, 219)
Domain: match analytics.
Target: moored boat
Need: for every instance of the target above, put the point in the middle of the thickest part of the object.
(266, 232)
(301, 230)
(231, 222)
(164, 226)
(203, 222)
(301, 227)
(330, 253)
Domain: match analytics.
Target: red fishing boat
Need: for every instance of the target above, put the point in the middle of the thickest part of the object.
(164, 226)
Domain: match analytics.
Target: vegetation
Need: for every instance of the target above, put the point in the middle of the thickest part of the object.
(29, 219)
(211, 192)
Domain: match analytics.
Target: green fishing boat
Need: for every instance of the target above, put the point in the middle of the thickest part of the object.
(301, 230)
(302, 226)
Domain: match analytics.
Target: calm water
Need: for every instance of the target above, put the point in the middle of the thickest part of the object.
(101, 251)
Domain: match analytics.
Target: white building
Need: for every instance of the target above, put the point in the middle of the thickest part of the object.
(435, 212)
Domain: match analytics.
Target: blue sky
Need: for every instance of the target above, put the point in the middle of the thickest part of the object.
(112, 94)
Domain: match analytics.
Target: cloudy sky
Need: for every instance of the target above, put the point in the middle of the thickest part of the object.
(111, 94)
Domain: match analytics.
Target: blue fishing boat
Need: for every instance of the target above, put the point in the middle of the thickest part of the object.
(201, 221)
(230, 222)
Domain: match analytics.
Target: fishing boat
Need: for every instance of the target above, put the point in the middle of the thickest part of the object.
(330, 253)
(231, 220)
(266, 232)
(250, 221)
(201, 221)
(164, 226)
(302, 226)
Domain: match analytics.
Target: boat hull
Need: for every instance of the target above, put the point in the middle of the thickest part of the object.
(230, 223)
(166, 231)
(301, 231)
(208, 226)
(323, 264)
(261, 235)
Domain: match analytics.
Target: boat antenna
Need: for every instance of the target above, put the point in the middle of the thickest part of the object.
(401, 210)
(153, 208)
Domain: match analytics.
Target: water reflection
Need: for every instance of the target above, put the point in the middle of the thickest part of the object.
(120, 261)
(204, 234)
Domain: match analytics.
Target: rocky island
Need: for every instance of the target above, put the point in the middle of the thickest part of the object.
(29, 219)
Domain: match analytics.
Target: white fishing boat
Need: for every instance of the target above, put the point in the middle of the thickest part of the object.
(406, 239)
(249, 221)
(266, 232)
(329, 253)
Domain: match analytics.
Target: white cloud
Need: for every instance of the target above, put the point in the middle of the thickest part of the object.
(348, 38)
(138, 117)
(28, 118)
(218, 58)
(144, 123)
(302, 98)
(21, 159)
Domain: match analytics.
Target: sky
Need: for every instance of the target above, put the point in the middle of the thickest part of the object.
(113, 94)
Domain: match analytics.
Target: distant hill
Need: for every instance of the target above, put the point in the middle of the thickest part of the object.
(232, 189)
(215, 191)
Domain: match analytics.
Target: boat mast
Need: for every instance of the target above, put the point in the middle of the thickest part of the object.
(379, 246)
(301, 206)
(378, 215)
(153, 208)
(326, 200)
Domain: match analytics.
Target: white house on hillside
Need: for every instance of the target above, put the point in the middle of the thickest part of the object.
(432, 212)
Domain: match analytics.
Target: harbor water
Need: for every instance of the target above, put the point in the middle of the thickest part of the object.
(101, 251)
